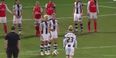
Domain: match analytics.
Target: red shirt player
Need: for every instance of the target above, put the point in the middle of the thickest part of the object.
(3, 8)
(37, 14)
(92, 9)
(50, 9)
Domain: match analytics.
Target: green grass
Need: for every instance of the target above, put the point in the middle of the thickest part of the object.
(90, 45)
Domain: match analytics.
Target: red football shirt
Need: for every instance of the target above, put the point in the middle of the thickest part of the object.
(50, 8)
(92, 6)
(2, 9)
(37, 12)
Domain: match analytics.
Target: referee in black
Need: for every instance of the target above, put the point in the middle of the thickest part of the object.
(12, 44)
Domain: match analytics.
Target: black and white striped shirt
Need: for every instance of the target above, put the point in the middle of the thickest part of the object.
(78, 7)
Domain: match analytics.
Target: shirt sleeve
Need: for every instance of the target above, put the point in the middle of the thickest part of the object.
(46, 5)
(8, 9)
(75, 42)
(88, 6)
(64, 42)
(97, 7)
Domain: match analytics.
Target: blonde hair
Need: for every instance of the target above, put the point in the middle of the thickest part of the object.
(70, 28)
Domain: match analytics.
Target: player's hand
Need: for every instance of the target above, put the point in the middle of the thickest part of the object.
(88, 14)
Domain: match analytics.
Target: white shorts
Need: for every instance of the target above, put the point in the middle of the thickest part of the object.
(38, 21)
(77, 17)
(50, 17)
(3, 20)
(92, 15)
(54, 35)
(69, 50)
(17, 20)
(45, 37)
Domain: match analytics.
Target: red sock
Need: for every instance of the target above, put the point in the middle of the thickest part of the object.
(89, 26)
(95, 25)
(5, 28)
(37, 31)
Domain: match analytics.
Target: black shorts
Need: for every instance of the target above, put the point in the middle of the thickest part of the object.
(12, 52)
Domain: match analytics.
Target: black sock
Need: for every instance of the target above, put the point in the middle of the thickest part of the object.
(55, 46)
(41, 48)
(76, 27)
(81, 25)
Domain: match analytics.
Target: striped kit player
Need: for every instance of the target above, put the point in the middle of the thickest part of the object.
(70, 43)
(53, 25)
(17, 17)
(45, 36)
(78, 14)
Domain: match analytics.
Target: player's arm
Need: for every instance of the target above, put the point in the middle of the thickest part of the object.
(58, 30)
(8, 9)
(45, 9)
(49, 25)
(33, 12)
(54, 7)
(42, 11)
(73, 8)
(75, 42)
(13, 10)
(21, 10)
(97, 7)
(88, 4)
(64, 42)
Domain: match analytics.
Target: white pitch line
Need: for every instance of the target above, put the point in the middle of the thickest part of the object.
(107, 7)
(109, 55)
(72, 17)
(84, 48)
(84, 4)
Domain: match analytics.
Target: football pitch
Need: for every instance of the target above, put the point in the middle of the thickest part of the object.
(101, 44)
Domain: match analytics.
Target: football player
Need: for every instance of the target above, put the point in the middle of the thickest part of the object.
(78, 10)
(17, 15)
(37, 15)
(70, 42)
(45, 34)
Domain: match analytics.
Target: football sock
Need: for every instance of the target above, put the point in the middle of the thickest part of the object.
(41, 48)
(76, 27)
(89, 26)
(81, 25)
(49, 46)
(19, 27)
(46, 47)
(55, 46)
(95, 25)
(5, 28)
(37, 30)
